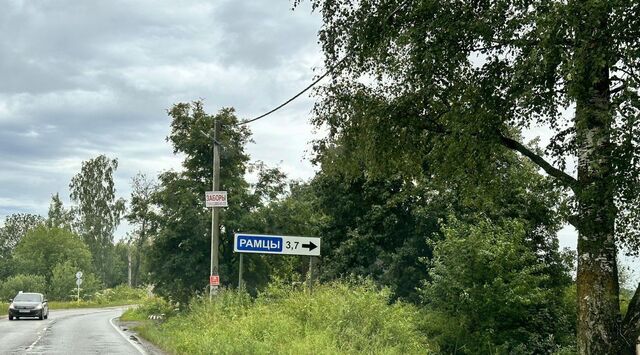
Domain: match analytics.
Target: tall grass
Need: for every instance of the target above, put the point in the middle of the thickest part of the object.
(337, 318)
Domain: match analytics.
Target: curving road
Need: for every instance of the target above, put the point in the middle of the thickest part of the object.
(77, 331)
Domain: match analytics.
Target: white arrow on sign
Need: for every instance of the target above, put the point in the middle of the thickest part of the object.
(79, 282)
(275, 244)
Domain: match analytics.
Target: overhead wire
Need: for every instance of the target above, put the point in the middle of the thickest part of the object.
(327, 72)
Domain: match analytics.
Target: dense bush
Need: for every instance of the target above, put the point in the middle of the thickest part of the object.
(335, 319)
(151, 306)
(120, 293)
(27, 283)
(63, 283)
(43, 248)
(490, 293)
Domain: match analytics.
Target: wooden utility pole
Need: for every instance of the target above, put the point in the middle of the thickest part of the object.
(215, 223)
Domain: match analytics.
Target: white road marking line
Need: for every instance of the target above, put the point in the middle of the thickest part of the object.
(135, 345)
(42, 333)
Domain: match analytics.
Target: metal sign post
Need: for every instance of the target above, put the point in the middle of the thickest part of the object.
(240, 283)
(312, 262)
(78, 283)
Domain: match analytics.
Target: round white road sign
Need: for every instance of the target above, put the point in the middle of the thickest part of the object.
(79, 275)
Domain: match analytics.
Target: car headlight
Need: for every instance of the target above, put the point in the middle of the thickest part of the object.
(11, 306)
(39, 306)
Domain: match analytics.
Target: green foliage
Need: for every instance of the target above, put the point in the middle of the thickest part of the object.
(335, 319)
(22, 282)
(119, 255)
(377, 228)
(179, 256)
(380, 228)
(451, 86)
(145, 221)
(15, 228)
(120, 293)
(98, 212)
(293, 213)
(157, 306)
(489, 293)
(63, 282)
(43, 248)
(58, 216)
(625, 299)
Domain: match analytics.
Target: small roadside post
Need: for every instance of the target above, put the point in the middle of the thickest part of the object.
(240, 284)
(312, 261)
(244, 243)
(78, 283)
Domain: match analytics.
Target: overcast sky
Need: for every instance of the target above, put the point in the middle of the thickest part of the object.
(83, 78)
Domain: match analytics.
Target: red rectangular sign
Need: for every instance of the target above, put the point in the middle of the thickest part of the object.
(214, 280)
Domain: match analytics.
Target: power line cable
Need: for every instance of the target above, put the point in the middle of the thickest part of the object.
(329, 71)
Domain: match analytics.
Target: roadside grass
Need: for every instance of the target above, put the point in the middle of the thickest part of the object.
(4, 308)
(337, 318)
(151, 306)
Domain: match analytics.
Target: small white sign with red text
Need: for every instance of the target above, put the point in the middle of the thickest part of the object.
(215, 199)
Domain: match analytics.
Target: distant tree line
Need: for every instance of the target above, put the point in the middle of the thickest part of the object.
(44, 254)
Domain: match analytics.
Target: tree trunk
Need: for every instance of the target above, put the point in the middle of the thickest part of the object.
(597, 279)
(138, 257)
(597, 291)
(136, 268)
(631, 325)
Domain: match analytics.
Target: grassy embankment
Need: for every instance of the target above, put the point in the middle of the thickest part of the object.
(334, 319)
(119, 296)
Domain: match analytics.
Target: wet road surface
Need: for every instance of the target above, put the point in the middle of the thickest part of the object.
(78, 331)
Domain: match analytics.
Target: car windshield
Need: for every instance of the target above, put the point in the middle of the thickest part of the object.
(28, 297)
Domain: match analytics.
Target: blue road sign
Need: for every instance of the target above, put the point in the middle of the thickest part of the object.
(275, 244)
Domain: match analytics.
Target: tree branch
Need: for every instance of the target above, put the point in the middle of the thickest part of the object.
(564, 178)
(630, 73)
(618, 89)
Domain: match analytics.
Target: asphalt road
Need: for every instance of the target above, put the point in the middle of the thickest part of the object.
(77, 331)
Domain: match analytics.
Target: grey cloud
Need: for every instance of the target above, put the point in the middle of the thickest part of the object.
(263, 35)
(82, 78)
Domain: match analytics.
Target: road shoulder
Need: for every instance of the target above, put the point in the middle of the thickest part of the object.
(127, 327)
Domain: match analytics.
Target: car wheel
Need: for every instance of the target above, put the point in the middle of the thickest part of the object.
(10, 317)
(41, 317)
(46, 316)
